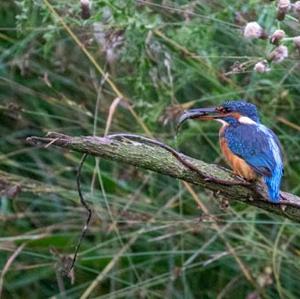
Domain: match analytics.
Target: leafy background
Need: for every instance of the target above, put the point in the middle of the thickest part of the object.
(151, 236)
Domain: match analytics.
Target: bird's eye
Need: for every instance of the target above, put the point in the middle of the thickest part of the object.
(223, 109)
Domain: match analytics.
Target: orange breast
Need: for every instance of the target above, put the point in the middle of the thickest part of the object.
(238, 165)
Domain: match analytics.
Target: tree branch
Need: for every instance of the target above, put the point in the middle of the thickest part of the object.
(160, 160)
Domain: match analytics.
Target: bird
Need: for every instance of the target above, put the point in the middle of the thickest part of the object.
(252, 150)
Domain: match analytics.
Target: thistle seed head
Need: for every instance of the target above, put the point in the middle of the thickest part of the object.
(253, 30)
(297, 42)
(262, 67)
(296, 8)
(283, 6)
(277, 36)
(279, 54)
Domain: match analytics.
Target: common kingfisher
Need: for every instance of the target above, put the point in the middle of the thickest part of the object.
(251, 149)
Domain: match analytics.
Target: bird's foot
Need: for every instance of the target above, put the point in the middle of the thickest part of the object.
(281, 197)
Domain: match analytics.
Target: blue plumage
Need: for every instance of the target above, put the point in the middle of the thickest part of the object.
(244, 108)
(249, 147)
(260, 148)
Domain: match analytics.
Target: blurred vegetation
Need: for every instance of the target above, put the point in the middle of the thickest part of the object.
(148, 229)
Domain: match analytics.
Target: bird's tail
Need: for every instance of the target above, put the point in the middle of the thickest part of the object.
(273, 185)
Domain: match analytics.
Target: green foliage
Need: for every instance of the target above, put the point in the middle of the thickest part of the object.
(161, 55)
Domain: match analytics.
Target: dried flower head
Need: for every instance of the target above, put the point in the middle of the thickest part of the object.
(283, 6)
(253, 30)
(85, 9)
(262, 67)
(279, 54)
(277, 36)
(111, 42)
(297, 42)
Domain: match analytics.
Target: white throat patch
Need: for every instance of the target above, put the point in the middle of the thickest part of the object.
(246, 120)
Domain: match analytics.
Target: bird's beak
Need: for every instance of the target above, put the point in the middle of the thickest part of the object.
(199, 113)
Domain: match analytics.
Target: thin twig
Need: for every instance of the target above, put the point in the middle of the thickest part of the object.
(8, 264)
(288, 123)
(89, 212)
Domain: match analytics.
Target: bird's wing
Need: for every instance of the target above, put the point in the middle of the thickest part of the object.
(257, 145)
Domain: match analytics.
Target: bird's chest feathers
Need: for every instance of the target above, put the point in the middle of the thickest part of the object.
(238, 165)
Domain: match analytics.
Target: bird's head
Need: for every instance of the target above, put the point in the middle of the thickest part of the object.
(231, 112)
